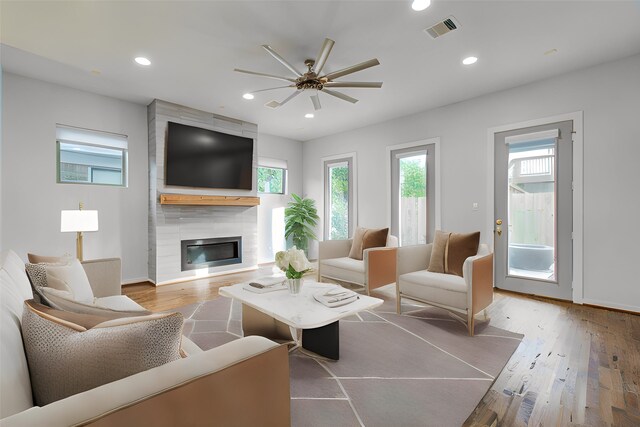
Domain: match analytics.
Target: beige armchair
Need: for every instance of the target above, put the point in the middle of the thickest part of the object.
(465, 296)
(377, 267)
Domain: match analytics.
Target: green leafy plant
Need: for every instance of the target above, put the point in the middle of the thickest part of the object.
(300, 218)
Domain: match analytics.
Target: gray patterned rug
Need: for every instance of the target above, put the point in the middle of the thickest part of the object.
(417, 369)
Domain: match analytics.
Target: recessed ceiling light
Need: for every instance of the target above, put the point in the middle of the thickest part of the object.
(551, 52)
(308, 116)
(469, 60)
(420, 4)
(142, 60)
(248, 96)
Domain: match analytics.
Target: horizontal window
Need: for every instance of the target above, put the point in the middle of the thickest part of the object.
(91, 157)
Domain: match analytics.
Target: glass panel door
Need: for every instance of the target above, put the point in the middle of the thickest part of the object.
(534, 210)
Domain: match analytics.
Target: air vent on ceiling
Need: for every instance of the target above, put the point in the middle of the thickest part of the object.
(272, 104)
(443, 27)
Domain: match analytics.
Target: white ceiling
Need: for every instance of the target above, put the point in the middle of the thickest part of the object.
(194, 47)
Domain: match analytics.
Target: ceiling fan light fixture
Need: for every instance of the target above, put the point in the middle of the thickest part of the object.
(419, 5)
(469, 60)
(309, 116)
(312, 82)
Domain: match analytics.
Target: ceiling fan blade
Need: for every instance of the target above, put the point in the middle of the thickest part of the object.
(271, 76)
(340, 95)
(354, 84)
(316, 102)
(281, 60)
(289, 98)
(353, 69)
(271, 88)
(323, 55)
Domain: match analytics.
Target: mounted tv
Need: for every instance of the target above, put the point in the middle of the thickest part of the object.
(199, 157)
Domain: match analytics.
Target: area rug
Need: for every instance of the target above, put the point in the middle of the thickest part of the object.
(416, 369)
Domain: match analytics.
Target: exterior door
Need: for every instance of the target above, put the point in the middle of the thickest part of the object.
(534, 210)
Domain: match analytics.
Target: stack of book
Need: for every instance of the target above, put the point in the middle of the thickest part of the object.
(266, 284)
(336, 297)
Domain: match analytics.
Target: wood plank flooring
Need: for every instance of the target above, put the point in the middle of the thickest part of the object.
(577, 366)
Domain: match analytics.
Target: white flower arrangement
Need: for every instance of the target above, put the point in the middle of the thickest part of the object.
(293, 262)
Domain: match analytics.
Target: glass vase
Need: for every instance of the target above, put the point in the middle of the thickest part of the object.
(294, 286)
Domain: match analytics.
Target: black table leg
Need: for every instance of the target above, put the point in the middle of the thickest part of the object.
(324, 341)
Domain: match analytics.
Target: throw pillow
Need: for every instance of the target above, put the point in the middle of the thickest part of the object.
(356, 245)
(69, 353)
(71, 277)
(37, 275)
(438, 251)
(62, 300)
(375, 238)
(461, 247)
(365, 238)
(40, 279)
(39, 259)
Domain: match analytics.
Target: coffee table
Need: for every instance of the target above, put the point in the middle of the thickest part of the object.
(298, 318)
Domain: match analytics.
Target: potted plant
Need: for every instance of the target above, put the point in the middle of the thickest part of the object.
(300, 218)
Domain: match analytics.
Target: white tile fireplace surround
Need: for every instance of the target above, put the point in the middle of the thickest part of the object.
(169, 225)
(178, 223)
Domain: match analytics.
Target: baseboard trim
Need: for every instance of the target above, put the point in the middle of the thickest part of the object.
(134, 281)
(206, 276)
(611, 306)
(585, 301)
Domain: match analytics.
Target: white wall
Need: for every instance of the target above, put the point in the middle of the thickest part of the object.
(609, 95)
(1, 80)
(271, 209)
(31, 198)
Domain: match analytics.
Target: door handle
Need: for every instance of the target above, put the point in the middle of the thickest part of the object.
(499, 227)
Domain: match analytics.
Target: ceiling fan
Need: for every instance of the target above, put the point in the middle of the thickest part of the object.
(313, 80)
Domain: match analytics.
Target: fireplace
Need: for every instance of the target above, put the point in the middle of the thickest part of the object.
(202, 253)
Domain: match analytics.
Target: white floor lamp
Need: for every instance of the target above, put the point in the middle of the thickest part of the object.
(78, 221)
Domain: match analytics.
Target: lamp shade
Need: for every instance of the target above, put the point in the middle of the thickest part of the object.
(80, 220)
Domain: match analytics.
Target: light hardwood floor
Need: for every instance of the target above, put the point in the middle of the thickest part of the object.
(576, 366)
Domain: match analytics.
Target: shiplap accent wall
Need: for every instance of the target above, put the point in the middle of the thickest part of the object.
(168, 225)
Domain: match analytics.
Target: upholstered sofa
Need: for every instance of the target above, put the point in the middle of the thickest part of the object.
(377, 267)
(244, 382)
(465, 296)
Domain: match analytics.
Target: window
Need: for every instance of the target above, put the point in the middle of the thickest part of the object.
(271, 180)
(339, 192)
(412, 193)
(91, 157)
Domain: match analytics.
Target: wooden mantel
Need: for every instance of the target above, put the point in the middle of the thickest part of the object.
(203, 200)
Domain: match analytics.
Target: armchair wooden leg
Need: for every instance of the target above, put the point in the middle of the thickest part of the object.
(398, 300)
(470, 322)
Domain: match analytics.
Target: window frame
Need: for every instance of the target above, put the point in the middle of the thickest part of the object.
(125, 163)
(433, 182)
(89, 134)
(285, 181)
(332, 161)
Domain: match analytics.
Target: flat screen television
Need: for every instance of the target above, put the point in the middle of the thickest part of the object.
(199, 157)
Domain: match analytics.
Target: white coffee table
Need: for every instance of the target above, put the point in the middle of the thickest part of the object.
(281, 316)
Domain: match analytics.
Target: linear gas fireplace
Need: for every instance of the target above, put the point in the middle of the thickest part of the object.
(203, 253)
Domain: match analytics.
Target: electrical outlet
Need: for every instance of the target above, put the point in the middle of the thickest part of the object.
(475, 206)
